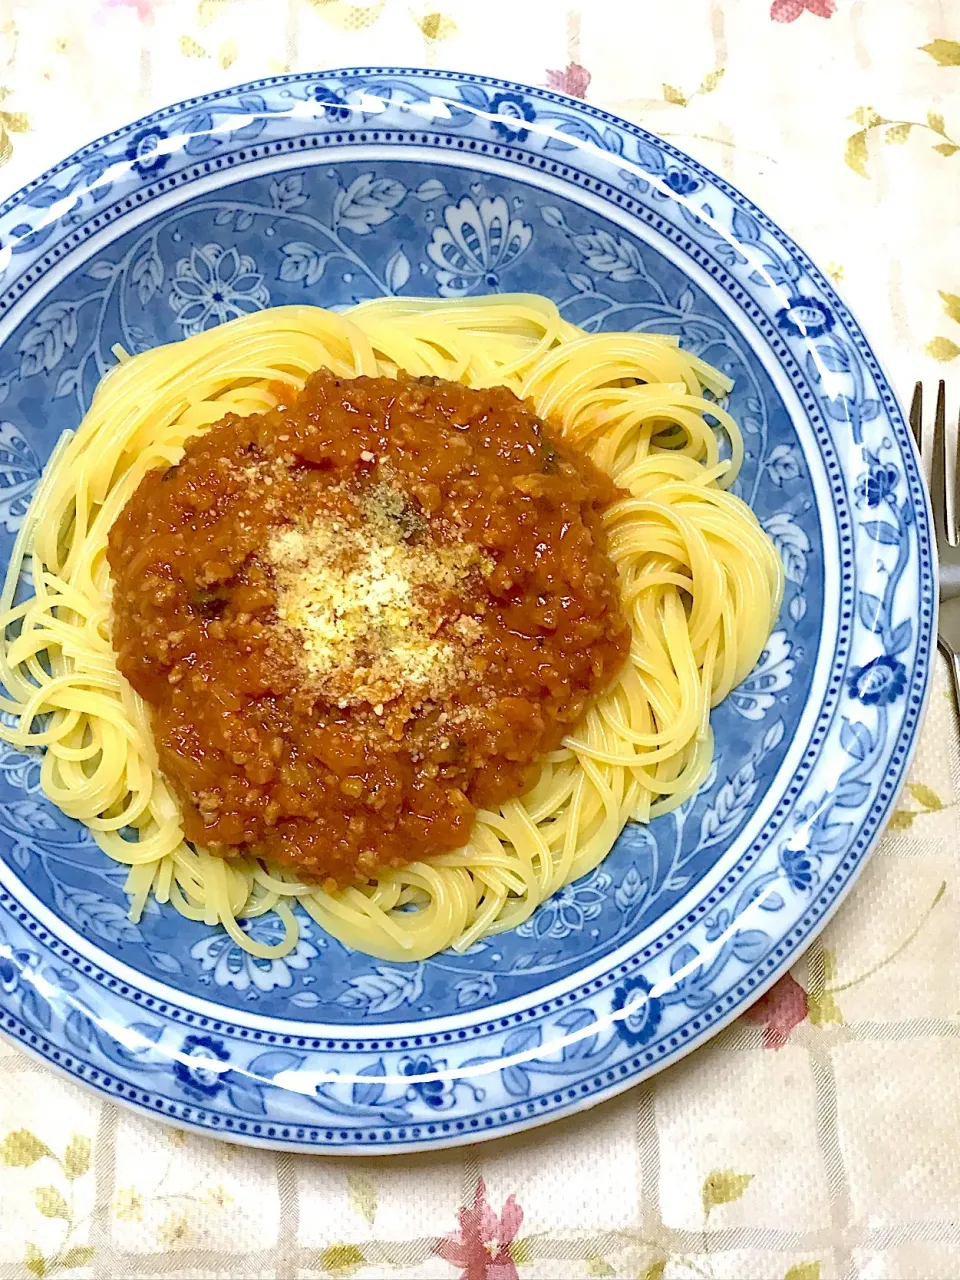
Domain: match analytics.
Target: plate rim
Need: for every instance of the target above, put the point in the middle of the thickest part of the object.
(577, 107)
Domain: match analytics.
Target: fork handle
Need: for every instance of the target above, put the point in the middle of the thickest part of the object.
(953, 661)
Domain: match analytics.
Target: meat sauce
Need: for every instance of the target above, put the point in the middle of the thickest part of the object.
(361, 616)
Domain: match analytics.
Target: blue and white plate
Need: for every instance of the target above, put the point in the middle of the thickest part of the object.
(336, 187)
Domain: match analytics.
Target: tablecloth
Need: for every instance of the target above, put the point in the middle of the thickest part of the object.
(817, 1137)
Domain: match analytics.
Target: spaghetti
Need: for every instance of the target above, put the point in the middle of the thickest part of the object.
(700, 586)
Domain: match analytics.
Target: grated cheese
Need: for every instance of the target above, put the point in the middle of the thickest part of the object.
(370, 601)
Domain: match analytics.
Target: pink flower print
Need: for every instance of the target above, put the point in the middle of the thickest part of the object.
(780, 1010)
(144, 8)
(790, 10)
(482, 1245)
(574, 80)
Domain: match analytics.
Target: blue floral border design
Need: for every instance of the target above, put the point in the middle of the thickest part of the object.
(460, 1078)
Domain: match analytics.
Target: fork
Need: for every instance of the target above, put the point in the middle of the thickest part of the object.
(944, 483)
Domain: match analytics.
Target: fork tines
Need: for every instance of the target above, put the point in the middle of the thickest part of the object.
(945, 470)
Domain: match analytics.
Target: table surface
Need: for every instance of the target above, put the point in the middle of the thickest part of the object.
(820, 1135)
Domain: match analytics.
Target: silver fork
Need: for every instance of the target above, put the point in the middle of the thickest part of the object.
(943, 469)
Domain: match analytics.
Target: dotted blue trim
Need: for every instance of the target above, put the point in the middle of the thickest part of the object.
(613, 1079)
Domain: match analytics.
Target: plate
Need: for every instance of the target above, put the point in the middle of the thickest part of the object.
(345, 185)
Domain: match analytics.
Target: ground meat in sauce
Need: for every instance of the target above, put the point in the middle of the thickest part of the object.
(362, 615)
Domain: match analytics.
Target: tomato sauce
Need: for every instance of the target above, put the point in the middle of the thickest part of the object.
(362, 615)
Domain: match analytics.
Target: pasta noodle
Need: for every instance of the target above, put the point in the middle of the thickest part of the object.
(701, 586)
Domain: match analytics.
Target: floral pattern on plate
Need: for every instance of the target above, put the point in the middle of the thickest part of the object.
(687, 919)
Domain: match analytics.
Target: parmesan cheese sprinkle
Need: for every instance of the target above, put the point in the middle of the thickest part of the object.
(376, 602)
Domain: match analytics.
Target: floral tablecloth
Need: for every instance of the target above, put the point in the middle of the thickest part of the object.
(820, 1135)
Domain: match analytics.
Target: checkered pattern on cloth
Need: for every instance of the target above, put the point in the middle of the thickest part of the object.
(818, 1137)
